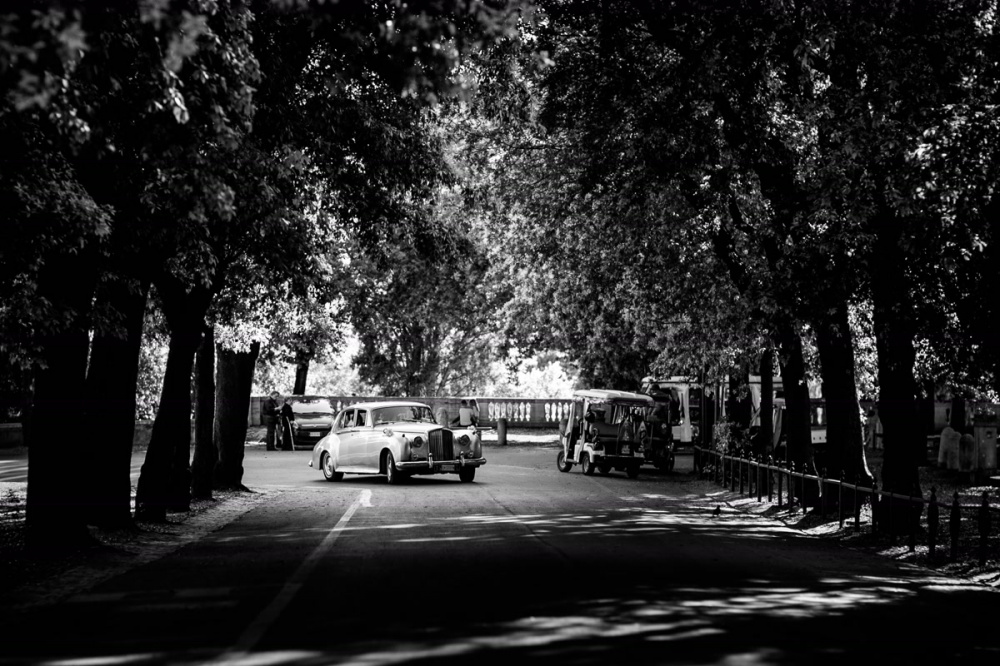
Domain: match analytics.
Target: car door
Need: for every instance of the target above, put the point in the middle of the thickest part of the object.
(347, 435)
(368, 441)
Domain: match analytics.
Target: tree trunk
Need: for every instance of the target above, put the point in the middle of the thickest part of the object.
(301, 373)
(234, 382)
(797, 418)
(894, 335)
(165, 478)
(55, 519)
(765, 437)
(844, 450)
(206, 455)
(110, 422)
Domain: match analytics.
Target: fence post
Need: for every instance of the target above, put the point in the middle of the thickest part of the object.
(822, 492)
(791, 486)
(781, 479)
(874, 502)
(914, 520)
(741, 473)
(857, 502)
(932, 525)
(892, 531)
(984, 527)
(732, 474)
(840, 500)
(759, 495)
(719, 475)
(955, 524)
(770, 479)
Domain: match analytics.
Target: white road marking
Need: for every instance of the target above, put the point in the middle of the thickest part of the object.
(256, 630)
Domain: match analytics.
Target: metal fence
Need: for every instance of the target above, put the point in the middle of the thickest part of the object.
(915, 517)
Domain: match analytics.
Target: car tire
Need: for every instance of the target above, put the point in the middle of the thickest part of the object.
(632, 471)
(586, 465)
(392, 475)
(329, 473)
(467, 474)
(604, 469)
(561, 462)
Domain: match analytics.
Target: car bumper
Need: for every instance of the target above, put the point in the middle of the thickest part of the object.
(439, 465)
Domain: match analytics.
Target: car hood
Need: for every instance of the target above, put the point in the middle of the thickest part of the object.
(412, 428)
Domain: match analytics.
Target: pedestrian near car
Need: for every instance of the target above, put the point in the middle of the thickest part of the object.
(466, 415)
(269, 416)
(286, 416)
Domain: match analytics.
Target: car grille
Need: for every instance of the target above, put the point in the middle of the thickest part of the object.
(441, 444)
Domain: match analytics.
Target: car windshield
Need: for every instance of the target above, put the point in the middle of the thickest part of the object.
(403, 413)
(312, 408)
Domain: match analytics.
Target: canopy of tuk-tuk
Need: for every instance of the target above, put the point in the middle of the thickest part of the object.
(615, 397)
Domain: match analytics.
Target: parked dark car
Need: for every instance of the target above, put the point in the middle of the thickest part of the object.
(312, 419)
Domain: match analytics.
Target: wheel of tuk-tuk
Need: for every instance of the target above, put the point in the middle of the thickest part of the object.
(586, 464)
(632, 471)
(563, 464)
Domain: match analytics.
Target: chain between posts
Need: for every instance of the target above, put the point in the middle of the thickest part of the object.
(888, 508)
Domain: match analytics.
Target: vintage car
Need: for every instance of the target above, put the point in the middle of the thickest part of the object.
(312, 419)
(398, 439)
(601, 432)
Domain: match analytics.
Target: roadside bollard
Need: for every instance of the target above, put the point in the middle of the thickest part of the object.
(932, 524)
(984, 527)
(955, 524)
(502, 432)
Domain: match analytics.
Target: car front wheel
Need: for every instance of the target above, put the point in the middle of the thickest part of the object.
(467, 474)
(563, 464)
(329, 473)
(392, 475)
(586, 466)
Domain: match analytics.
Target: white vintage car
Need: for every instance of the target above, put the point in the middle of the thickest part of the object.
(397, 439)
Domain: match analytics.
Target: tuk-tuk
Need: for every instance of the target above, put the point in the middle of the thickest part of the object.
(604, 431)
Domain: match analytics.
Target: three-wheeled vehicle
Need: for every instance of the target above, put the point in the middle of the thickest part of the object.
(603, 432)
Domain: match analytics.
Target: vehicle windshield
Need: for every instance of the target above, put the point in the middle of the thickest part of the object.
(402, 413)
(312, 408)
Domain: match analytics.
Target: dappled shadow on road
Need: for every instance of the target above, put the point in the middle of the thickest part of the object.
(764, 621)
(655, 579)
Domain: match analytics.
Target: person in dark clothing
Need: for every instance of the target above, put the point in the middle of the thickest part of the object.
(286, 417)
(269, 416)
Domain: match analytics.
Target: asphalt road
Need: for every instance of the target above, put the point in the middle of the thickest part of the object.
(527, 565)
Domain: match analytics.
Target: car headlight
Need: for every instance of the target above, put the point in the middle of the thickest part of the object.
(464, 440)
(417, 442)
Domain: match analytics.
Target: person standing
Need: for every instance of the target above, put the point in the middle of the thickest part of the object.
(285, 417)
(269, 416)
